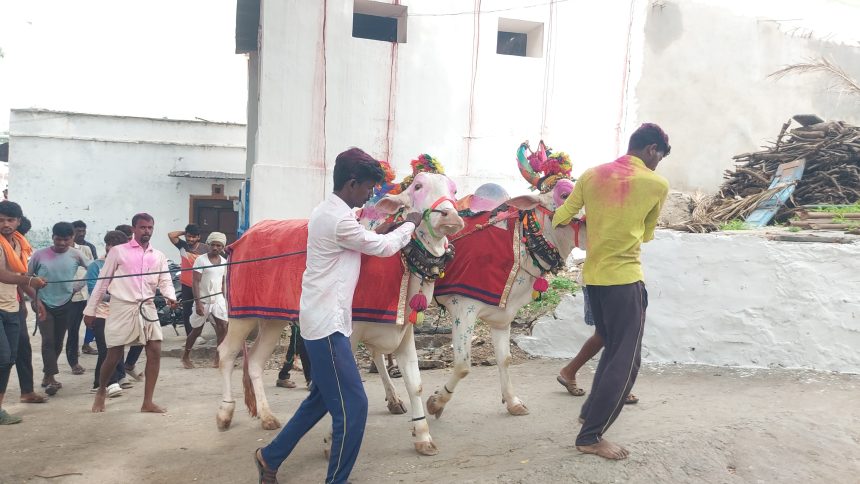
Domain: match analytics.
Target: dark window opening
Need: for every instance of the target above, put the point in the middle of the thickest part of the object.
(512, 43)
(374, 27)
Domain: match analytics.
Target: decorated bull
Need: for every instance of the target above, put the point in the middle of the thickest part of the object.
(391, 294)
(504, 254)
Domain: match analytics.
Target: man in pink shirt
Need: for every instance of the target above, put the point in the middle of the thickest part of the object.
(133, 319)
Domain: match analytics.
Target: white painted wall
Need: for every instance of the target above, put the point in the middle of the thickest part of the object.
(736, 300)
(104, 169)
(698, 67)
(702, 72)
(320, 94)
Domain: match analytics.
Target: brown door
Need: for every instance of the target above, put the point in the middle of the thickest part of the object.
(216, 216)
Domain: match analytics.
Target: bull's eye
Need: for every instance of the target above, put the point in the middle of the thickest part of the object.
(418, 186)
(564, 197)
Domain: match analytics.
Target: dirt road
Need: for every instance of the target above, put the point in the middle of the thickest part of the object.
(692, 425)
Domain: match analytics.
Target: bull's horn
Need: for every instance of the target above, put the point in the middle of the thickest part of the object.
(525, 167)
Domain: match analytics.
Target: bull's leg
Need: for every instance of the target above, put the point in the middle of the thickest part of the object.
(268, 337)
(395, 404)
(464, 326)
(502, 345)
(237, 331)
(407, 358)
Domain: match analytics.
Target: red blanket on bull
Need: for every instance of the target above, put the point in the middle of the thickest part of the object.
(272, 289)
(486, 259)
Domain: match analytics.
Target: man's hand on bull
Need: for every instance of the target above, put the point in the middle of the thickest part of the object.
(414, 217)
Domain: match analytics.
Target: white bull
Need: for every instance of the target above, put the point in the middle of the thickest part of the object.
(431, 194)
(468, 310)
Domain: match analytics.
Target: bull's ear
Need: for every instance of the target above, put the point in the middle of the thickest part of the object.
(391, 204)
(524, 202)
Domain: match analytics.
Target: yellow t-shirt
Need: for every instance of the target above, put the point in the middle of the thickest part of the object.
(622, 201)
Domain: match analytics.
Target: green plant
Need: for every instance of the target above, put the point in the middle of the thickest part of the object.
(735, 224)
(837, 210)
(558, 286)
(794, 229)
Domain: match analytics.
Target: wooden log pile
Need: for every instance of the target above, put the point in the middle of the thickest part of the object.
(832, 175)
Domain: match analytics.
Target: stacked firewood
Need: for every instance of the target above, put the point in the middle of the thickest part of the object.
(831, 177)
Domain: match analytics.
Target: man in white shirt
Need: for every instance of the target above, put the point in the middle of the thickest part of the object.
(208, 289)
(335, 243)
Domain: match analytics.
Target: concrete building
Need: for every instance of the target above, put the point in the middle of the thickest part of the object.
(468, 81)
(104, 169)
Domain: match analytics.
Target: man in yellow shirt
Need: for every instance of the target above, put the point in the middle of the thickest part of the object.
(622, 200)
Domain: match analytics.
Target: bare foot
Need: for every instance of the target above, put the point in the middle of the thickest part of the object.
(99, 403)
(152, 408)
(605, 449)
(33, 397)
(187, 364)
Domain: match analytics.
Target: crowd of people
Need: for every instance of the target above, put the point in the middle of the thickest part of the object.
(68, 284)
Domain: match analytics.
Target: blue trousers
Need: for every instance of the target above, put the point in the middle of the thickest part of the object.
(336, 390)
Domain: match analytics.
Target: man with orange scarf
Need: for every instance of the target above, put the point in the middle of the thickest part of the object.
(14, 252)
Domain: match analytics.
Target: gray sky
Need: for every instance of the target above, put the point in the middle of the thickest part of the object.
(159, 58)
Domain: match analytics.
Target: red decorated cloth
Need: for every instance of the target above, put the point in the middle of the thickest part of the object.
(380, 296)
(484, 260)
(272, 288)
(268, 289)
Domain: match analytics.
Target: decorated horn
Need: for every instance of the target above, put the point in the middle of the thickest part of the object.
(525, 167)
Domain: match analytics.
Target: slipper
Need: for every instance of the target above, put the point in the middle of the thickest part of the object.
(631, 399)
(52, 388)
(35, 398)
(6, 419)
(394, 372)
(126, 385)
(78, 370)
(285, 383)
(570, 385)
(114, 390)
(266, 476)
(56, 384)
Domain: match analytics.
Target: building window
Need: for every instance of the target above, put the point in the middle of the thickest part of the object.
(379, 21)
(520, 37)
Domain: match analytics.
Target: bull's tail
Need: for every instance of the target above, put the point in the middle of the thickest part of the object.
(250, 396)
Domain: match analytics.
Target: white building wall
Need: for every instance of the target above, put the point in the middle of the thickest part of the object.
(323, 91)
(104, 169)
(698, 67)
(703, 68)
(735, 300)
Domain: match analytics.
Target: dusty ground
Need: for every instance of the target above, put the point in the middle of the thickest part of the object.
(693, 425)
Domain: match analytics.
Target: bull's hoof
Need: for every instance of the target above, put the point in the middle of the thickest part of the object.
(426, 448)
(435, 407)
(270, 423)
(396, 407)
(518, 409)
(224, 417)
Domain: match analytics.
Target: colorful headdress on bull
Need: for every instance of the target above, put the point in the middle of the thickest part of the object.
(423, 164)
(543, 168)
(387, 184)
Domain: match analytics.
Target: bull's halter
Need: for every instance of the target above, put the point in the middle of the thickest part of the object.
(432, 209)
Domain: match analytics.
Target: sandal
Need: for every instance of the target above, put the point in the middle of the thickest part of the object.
(78, 370)
(631, 399)
(570, 385)
(266, 475)
(394, 372)
(33, 398)
(6, 419)
(285, 383)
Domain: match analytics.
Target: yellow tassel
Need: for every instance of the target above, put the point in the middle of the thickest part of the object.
(535, 295)
(420, 318)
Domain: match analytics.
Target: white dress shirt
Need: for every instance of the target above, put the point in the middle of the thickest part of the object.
(335, 243)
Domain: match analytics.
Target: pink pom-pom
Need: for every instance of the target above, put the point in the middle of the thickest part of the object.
(541, 285)
(418, 302)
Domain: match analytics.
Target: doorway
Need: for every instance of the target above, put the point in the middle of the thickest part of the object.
(215, 215)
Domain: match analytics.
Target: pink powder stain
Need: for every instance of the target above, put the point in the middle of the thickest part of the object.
(616, 174)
